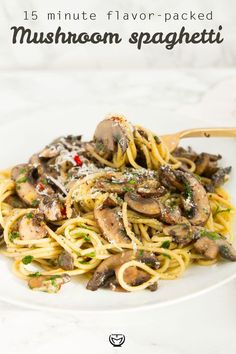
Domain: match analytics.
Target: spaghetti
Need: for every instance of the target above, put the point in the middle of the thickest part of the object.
(120, 209)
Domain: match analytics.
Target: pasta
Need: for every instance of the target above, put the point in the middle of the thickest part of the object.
(121, 209)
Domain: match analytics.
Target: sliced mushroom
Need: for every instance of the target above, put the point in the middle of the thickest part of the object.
(221, 176)
(111, 224)
(15, 201)
(148, 206)
(106, 270)
(212, 244)
(32, 226)
(48, 283)
(24, 178)
(52, 208)
(65, 260)
(169, 179)
(186, 153)
(111, 132)
(153, 207)
(195, 200)
(181, 234)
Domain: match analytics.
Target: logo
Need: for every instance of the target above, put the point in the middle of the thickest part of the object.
(117, 340)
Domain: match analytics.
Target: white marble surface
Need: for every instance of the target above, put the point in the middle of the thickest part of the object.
(205, 324)
(122, 56)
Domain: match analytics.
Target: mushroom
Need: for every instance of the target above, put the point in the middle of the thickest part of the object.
(221, 176)
(181, 233)
(48, 283)
(51, 207)
(111, 224)
(153, 207)
(66, 261)
(169, 179)
(25, 178)
(211, 244)
(32, 227)
(195, 200)
(148, 206)
(111, 132)
(106, 270)
(15, 201)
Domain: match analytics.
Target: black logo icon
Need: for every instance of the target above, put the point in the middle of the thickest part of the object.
(117, 340)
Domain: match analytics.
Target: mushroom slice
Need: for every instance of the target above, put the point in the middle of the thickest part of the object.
(221, 176)
(111, 224)
(65, 260)
(195, 200)
(107, 268)
(181, 234)
(169, 179)
(147, 206)
(24, 177)
(51, 207)
(211, 244)
(48, 283)
(32, 226)
(153, 207)
(111, 132)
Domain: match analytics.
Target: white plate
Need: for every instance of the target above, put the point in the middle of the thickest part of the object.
(20, 139)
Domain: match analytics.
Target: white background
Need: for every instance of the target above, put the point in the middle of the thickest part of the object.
(124, 55)
(188, 82)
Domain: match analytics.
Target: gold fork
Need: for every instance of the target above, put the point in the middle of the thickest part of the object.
(172, 140)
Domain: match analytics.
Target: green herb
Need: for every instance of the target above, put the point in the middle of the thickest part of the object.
(219, 210)
(141, 253)
(44, 181)
(13, 235)
(187, 191)
(35, 275)
(29, 215)
(35, 203)
(90, 255)
(22, 170)
(127, 189)
(22, 180)
(210, 234)
(86, 238)
(165, 244)
(27, 259)
(52, 277)
(166, 255)
(132, 181)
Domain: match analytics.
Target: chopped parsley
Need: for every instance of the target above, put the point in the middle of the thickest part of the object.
(29, 215)
(166, 255)
(219, 210)
(90, 255)
(44, 181)
(187, 191)
(127, 189)
(132, 181)
(22, 180)
(35, 203)
(165, 244)
(210, 234)
(86, 238)
(22, 170)
(141, 253)
(13, 235)
(52, 277)
(27, 259)
(35, 275)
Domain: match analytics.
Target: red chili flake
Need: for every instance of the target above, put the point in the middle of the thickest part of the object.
(41, 187)
(77, 160)
(63, 211)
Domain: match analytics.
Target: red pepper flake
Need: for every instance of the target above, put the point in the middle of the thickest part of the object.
(63, 211)
(41, 187)
(77, 160)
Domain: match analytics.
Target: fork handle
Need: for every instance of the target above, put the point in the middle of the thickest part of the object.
(209, 132)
